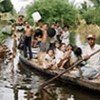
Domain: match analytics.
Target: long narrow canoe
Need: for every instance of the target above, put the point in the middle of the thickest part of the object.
(67, 77)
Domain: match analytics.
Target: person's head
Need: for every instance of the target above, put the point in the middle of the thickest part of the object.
(53, 25)
(38, 33)
(91, 40)
(57, 44)
(65, 28)
(69, 47)
(63, 47)
(45, 26)
(78, 51)
(20, 18)
(51, 32)
(57, 24)
(39, 24)
(50, 52)
(27, 24)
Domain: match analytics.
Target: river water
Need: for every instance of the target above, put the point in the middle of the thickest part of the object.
(23, 84)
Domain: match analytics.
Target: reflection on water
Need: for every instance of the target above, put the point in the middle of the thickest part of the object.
(23, 84)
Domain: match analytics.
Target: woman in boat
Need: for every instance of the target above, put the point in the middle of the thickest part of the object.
(65, 35)
(65, 60)
(60, 52)
(57, 46)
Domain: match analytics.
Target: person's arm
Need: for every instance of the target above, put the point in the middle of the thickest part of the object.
(44, 38)
(64, 59)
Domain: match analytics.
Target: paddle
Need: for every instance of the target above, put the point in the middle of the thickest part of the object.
(72, 66)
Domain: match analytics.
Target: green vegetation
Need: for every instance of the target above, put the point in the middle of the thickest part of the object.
(91, 14)
(72, 37)
(82, 21)
(96, 3)
(2, 37)
(5, 6)
(62, 11)
(55, 10)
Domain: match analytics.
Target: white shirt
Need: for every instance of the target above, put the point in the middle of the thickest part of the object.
(58, 55)
(48, 58)
(94, 60)
(65, 37)
(53, 39)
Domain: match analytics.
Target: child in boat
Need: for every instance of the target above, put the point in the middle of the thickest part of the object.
(49, 59)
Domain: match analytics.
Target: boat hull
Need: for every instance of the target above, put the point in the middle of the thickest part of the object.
(66, 79)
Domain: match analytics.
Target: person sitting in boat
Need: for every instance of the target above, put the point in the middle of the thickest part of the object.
(91, 69)
(61, 56)
(49, 59)
(65, 60)
(65, 35)
(91, 47)
(57, 46)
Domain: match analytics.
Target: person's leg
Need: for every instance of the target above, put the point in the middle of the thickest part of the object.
(29, 47)
(25, 47)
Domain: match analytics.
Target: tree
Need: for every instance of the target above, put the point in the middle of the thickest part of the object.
(96, 3)
(5, 6)
(91, 14)
(55, 10)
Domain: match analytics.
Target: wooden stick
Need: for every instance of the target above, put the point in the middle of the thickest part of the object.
(72, 66)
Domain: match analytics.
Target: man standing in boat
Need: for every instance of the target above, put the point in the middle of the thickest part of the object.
(27, 40)
(19, 26)
(91, 47)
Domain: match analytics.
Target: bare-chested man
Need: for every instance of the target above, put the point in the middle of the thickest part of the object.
(27, 40)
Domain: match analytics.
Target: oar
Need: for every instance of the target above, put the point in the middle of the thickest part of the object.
(72, 66)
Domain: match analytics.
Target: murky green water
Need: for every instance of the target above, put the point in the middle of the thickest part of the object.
(18, 82)
(23, 84)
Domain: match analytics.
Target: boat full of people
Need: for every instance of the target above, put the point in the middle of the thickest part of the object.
(47, 49)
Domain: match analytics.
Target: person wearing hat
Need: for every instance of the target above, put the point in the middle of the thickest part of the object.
(90, 48)
(91, 69)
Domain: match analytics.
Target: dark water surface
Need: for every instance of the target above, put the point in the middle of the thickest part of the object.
(23, 84)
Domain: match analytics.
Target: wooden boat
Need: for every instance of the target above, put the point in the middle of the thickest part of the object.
(93, 85)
